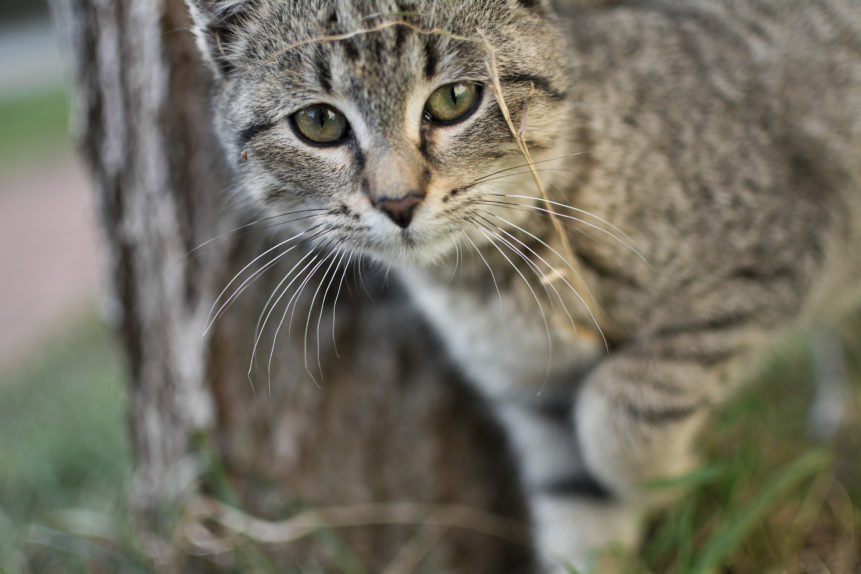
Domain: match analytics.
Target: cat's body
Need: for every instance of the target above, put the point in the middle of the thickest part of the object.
(714, 148)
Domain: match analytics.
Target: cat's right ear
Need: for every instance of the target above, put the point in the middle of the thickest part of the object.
(216, 26)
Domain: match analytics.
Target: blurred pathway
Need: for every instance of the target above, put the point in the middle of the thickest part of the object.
(48, 264)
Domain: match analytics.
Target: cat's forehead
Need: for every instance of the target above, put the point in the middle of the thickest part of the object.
(382, 58)
(373, 52)
(371, 40)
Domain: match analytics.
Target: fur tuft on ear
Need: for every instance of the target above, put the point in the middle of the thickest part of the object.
(215, 27)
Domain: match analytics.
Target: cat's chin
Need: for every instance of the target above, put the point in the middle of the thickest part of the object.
(413, 253)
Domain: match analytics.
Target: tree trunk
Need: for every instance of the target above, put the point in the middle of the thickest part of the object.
(388, 421)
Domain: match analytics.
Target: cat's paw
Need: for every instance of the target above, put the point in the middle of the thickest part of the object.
(595, 562)
(584, 536)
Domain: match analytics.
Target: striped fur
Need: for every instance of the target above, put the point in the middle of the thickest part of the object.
(705, 158)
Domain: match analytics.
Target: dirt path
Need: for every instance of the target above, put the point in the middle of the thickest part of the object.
(48, 262)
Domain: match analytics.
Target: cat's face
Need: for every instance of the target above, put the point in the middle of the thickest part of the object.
(372, 125)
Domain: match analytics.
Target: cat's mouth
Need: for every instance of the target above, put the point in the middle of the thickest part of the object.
(412, 246)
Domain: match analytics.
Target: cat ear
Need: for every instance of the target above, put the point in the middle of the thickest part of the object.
(216, 23)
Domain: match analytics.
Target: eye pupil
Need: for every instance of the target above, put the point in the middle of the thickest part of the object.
(452, 102)
(457, 93)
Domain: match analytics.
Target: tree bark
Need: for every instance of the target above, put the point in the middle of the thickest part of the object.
(389, 421)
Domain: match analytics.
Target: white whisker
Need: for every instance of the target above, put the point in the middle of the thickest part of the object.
(322, 308)
(252, 224)
(553, 269)
(488, 235)
(333, 256)
(489, 268)
(293, 301)
(209, 318)
(262, 327)
(625, 239)
(522, 165)
(562, 277)
(335, 304)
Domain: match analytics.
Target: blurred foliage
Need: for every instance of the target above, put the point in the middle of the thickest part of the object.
(64, 453)
(35, 128)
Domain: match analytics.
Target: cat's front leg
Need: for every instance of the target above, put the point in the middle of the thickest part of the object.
(634, 420)
(572, 514)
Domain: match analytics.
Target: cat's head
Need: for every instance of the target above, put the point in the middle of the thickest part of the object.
(372, 124)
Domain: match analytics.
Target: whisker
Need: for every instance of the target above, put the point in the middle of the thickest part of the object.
(628, 241)
(525, 172)
(456, 258)
(251, 224)
(262, 328)
(322, 308)
(335, 304)
(573, 289)
(522, 165)
(488, 235)
(258, 328)
(555, 252)
(294, 301)
(564, 280)
(572, 208)
(489, 268)
(269, 300)
(529, 263)
(581, 221)
(359, 266)
(210, 319)
(334, 255)
(553, 269)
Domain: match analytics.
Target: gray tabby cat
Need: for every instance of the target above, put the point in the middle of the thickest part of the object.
(704, 158)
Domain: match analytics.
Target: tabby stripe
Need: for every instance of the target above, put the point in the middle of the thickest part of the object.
(765, 275)
(662, 415)
(556, 409)
(720, 323)
(579, 485)
(431, 57)
(540, 83)
(603, 271)
(701, 356)
(400, 38)
(251, 132)
(324, 72)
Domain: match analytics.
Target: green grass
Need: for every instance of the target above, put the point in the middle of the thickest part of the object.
(64, 453)
(772, 500)
(35, 128)
(767, 499)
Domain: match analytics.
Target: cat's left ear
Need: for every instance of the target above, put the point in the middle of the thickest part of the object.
(216, 27)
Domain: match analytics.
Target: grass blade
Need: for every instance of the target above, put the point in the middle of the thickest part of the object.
(730, 537)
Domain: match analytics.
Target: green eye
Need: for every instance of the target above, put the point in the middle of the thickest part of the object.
(452, 102)
(321, 124)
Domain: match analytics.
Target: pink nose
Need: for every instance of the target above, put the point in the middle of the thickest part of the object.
(399, 210)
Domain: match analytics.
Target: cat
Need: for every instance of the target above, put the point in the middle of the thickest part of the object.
(701, 161)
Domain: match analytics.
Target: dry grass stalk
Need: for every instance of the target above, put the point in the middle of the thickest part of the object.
(600, 318)
(306, 523)
(416, 550)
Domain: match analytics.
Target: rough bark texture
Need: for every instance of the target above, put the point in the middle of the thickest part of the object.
(388, 422)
